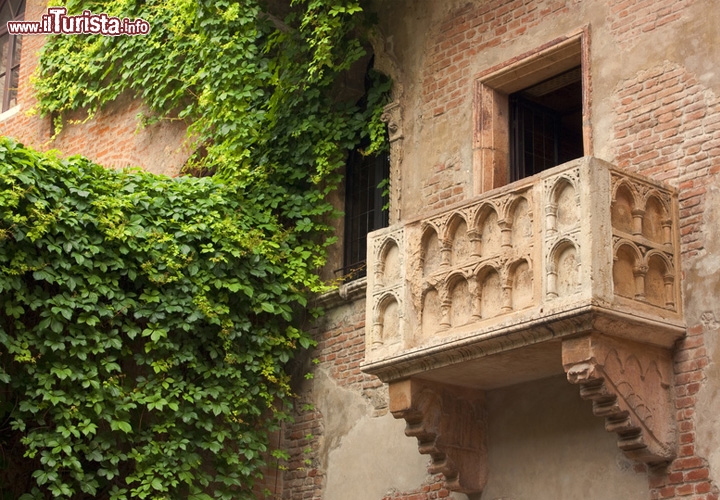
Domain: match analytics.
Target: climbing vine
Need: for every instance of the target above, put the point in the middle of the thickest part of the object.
(146, 322)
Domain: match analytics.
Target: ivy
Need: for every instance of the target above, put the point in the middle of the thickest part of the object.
(144, 329)
(146, 322)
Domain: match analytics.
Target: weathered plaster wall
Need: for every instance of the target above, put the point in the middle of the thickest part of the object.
(544, 444)
(345, 445)
(702, 294)
(390, 461)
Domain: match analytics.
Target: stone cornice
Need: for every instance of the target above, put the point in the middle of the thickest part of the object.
(520, 333)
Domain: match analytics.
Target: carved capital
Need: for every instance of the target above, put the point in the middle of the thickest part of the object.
(640, 270)
(629, 385)
(505, 232)
(450, 426)
(551, 210)
(392, 115)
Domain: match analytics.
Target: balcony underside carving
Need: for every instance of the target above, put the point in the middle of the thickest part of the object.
(449, 424)
(628, 384)
(575, 269)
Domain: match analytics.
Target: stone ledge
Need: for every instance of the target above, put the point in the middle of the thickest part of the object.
(347, 292)
(514, 336)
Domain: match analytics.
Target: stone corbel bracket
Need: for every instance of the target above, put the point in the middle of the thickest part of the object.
(630, 386)
(450, 425)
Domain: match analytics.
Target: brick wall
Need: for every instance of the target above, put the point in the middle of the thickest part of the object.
(433, 490)
(688, 475)
(31, 130)
(113, 138)
(303, 478)
(444, 187)
(339, 352)
(631, 18)
(668, 127)
(463, 35)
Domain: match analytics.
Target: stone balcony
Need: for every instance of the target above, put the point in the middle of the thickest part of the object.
(573, 270)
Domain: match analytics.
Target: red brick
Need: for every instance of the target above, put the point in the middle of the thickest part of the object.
(688, 463)
(685, 489)
(697, 474)
(687, 450)
(687, 437)
(704, 487)
(666, 492)
(675, 477)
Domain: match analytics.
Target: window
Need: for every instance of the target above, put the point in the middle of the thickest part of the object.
(10, 48)
(365, 207)
(530, 113)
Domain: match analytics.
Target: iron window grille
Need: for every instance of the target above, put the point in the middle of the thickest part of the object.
(366, 203)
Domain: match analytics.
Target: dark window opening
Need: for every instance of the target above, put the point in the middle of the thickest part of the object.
(366, 203)
(546, 124)
(10, 48)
